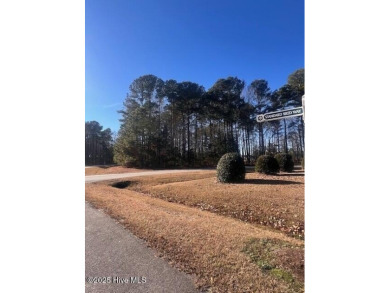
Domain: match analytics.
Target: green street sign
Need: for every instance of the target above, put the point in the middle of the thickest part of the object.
(279, 115)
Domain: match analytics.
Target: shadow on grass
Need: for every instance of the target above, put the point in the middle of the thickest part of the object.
(269, 181)
(121, 184)
(101, 166)
(291, 174)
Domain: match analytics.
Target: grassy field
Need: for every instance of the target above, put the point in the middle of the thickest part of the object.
(273, 201)
(233, 237)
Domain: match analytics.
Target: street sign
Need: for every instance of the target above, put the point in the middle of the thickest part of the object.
(280, 115)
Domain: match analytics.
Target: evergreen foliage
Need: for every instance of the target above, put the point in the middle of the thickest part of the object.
(267, 164)
(231, 168)
(285, 161)
(170, 124)
(98, 144)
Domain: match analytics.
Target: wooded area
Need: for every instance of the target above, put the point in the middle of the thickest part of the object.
(173, 124)
(180, 124)
(98, 144)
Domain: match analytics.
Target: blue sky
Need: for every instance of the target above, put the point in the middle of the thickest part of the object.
(193, 40)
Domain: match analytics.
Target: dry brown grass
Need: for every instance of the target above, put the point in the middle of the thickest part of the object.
(111, 170)
(225, 254)
(273, 201)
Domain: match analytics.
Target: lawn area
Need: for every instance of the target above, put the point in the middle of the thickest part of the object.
(233, 237)
(273, 201)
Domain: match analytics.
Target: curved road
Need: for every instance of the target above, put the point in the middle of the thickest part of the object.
(95, 178)
(117, 256)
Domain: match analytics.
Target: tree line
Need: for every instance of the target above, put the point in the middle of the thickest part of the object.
(173, 124)
(98, 144)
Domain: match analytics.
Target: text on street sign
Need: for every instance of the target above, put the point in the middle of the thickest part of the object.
(280, 115)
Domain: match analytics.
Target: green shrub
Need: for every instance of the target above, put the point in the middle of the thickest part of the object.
(231, 168)
(129, 162)
(285, 161)
(278, 157)
(267, 164)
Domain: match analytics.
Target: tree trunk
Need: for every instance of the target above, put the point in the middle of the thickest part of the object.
(183, 146)
(196, 151)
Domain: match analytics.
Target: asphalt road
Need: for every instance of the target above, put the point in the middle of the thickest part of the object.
(113, 254)
(95, 178)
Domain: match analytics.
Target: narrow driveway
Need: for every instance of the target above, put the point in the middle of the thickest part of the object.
(95, 178)
(115, 256)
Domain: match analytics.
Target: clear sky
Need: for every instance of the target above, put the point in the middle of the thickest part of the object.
(186, 40)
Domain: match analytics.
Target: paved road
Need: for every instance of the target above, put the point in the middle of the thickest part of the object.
(112, 251)
(95, 178)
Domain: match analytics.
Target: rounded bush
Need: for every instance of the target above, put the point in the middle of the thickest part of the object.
(286, 162)
(267, 164)
(129, 162)
(231, 168)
